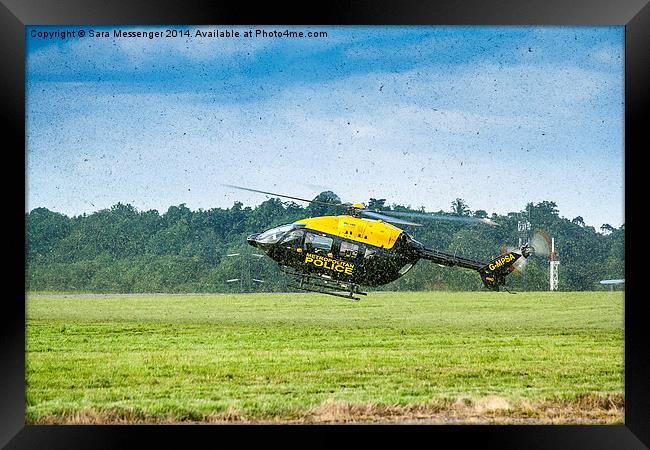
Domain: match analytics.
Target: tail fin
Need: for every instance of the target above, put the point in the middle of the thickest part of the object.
(494, 273)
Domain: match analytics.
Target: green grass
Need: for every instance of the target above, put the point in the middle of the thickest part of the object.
(192, 357)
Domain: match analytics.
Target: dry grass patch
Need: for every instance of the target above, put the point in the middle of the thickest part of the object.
(588, 409)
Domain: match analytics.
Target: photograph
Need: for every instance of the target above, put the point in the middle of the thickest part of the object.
(325, 224)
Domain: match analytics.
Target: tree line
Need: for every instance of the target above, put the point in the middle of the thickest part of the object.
(121, 249)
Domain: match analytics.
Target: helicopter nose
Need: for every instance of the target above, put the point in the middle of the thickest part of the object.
(252, 239)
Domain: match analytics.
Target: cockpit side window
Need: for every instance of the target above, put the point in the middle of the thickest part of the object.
(273, 235)
(293, 238)
(315, 242)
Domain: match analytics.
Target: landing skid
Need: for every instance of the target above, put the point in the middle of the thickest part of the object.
(321, 285)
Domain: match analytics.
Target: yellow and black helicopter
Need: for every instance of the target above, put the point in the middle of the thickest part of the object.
(336, 255)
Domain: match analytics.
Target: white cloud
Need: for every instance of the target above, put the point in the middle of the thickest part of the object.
(608, 54)
(124, 55)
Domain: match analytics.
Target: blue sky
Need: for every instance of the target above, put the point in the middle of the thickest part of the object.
(499, 116)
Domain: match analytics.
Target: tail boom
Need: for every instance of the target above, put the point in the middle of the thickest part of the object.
(493, 274)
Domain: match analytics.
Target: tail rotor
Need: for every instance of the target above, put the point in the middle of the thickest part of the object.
(541, 242)
(538, 245)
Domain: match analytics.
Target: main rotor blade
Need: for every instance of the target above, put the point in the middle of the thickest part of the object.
(285, 196)
(387, 218)
(432, 216)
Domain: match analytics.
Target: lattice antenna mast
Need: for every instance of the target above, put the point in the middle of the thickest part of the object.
(245, 279)
(554, 263)
(523, 231)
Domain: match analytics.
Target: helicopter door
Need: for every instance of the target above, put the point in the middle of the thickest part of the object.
(348, 250)
(292, 240)
(318, 244)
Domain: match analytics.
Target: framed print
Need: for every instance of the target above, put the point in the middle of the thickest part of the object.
(279, 219)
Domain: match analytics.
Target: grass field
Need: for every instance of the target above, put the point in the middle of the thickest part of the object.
(425, 357)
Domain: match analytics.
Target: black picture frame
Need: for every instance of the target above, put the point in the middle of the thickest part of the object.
(15, 15)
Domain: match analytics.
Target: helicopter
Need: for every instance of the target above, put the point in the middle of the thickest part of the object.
(338, 255)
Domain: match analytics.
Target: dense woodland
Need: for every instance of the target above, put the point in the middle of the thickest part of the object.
(122, 249)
